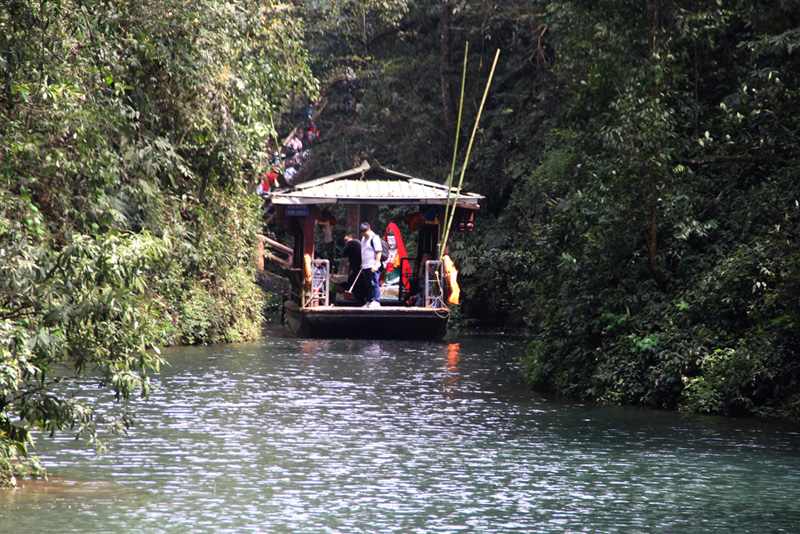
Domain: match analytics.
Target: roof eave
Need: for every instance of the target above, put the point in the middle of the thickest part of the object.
(297, 201)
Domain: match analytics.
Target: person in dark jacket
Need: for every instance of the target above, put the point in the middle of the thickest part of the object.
(352, 251)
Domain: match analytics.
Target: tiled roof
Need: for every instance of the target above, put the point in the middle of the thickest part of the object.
(371, 185)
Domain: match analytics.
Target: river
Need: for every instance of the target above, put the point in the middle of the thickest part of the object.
(319, 436)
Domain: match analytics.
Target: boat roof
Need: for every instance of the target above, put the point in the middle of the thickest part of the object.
(372, 184)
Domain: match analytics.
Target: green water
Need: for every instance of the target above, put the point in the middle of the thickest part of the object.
(301, 436)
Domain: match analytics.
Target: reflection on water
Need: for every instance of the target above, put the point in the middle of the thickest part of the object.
(362, 437)
(451, 358)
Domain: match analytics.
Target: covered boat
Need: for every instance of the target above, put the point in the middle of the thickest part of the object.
(414, 302)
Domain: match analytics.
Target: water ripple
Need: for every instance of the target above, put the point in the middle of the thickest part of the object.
(363, 437)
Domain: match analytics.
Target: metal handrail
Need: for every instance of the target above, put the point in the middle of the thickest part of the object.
(320, 283)
(434, 274)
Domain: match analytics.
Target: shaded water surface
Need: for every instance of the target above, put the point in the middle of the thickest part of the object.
(302, 436)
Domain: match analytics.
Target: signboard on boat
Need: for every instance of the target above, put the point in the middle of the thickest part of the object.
(296, 211)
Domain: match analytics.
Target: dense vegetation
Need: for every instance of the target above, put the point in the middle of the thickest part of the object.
(660, 220)
(639, 161)
(667, 229)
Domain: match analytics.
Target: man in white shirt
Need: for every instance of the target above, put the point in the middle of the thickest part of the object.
(371, 253)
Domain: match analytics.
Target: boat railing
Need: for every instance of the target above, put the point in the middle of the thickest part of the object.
(434, 287)
(320, 283)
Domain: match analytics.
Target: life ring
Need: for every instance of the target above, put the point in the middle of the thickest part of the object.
(451, 274)
(307, 269)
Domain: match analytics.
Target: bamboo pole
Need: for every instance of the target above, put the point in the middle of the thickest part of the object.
(469, 149)
(448, 212)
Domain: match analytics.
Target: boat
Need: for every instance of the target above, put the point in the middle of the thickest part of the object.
(318, 303)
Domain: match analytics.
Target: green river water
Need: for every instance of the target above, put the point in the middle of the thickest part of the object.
(320, 436)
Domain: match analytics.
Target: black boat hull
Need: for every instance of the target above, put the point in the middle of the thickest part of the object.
(386, 322)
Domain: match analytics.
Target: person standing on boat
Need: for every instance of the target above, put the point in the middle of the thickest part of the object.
(352, 251)
(371, 252)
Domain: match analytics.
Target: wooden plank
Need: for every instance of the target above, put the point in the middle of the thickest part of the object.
(275, 244)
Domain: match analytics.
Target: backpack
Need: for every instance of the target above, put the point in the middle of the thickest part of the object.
(384, 252)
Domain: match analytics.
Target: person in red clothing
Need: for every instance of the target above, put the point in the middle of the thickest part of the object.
(310, 135)
(269, 179)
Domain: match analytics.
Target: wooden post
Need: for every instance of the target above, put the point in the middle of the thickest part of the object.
(260, 255)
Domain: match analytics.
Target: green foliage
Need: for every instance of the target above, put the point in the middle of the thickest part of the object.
(67, 315)
(150, 116)
(669, 241)
(390, 47)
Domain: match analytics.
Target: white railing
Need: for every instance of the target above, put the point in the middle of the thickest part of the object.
(320, 283)
(434, 286)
